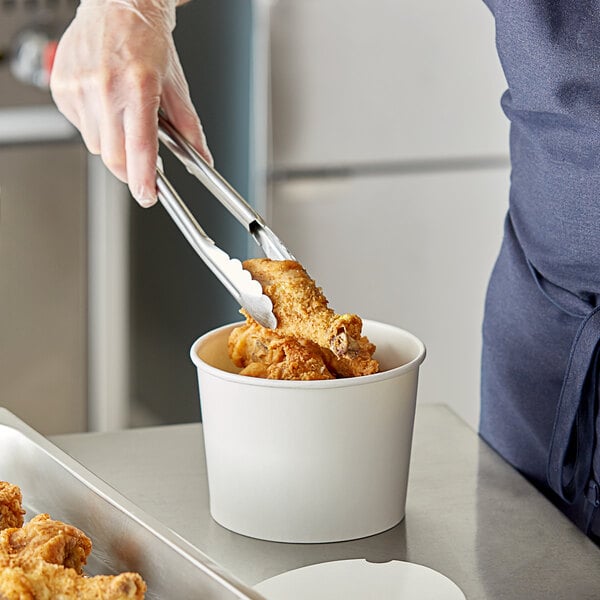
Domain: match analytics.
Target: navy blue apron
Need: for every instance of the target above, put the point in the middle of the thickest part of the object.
(541, 331)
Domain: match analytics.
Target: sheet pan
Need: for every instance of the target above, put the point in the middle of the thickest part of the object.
(124, 537)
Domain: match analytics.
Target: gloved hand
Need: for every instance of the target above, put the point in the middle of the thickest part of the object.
(115, 65)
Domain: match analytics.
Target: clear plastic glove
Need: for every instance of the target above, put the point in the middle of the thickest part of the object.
(115, 65)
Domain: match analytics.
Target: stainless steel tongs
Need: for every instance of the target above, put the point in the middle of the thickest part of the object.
(247, 291)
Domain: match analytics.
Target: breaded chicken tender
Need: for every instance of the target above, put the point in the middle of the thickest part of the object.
(11, 510)
(311, 341)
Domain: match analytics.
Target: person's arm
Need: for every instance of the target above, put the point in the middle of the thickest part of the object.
(115, 65)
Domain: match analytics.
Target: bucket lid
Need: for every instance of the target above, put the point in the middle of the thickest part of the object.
(361, 580)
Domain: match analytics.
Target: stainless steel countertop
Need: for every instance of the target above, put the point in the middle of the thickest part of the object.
(469, 515)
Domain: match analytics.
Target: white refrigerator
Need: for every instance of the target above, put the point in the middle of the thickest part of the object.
(386, 153)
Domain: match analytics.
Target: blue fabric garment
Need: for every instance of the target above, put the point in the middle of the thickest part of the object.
(541, 333)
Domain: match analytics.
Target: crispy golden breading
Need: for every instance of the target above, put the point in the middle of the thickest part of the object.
(264, 354)
(311, 341)
(11, 511)
(14, 584)
(47, 540)
(38, 580)
(44, 559)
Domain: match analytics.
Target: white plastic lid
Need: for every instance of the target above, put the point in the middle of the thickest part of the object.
(361, 580)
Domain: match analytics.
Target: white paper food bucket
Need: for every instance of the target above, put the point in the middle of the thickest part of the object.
(309, 461)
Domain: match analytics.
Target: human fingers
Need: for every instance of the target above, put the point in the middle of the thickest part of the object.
(88, 127)
(187, 122)
(69, 94)
(112, 142)
(140, 123)
(180, 111)
(79, 117)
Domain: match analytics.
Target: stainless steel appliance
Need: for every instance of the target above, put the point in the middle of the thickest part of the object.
(388, 145)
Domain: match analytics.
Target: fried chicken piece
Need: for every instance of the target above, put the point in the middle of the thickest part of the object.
(11, 511)
(300, 306)
(44, 559)
(14, 584)
(263, 353)
(43, 539)
(38, 580)
(303, 316)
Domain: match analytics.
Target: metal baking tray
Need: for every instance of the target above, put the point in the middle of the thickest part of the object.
(124, 537)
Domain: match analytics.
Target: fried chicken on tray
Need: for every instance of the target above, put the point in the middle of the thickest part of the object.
(44, 559)
(310, 342)
(43, 581)
(11, 511)
(43, 539)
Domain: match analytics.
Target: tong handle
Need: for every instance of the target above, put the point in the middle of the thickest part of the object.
(180, 213)
(191, 229)
(222, 190)
(211, 178)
